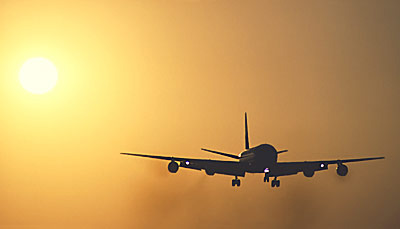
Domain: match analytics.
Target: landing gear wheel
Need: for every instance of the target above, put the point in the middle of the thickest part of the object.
(235, 182)
(275, 183)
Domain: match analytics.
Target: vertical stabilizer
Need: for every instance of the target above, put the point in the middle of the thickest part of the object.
(246, 133)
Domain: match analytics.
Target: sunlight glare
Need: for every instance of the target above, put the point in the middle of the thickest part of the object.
(38, 75)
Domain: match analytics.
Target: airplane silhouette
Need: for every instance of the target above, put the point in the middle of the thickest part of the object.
(260, 159)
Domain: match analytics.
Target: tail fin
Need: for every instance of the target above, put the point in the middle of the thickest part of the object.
(246, 133)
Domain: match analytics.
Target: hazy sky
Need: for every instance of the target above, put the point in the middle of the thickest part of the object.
(319, 78)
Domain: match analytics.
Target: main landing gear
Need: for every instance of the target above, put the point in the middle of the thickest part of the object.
(236, 182)
(275, 183)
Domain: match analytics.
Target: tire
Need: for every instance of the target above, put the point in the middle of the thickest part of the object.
(273, 183)
(238, 183)
(233, 183)
(278, 183)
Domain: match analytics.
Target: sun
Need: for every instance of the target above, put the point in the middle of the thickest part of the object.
(38, 75)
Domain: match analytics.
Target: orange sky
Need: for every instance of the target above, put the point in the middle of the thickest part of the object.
(320, 79)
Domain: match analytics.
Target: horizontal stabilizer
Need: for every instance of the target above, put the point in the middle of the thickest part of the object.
(282, 151)
(223, 154)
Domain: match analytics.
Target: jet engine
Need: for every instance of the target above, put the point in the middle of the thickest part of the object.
(342, 170)
(308, 173)
(210, 171)
(173, 167)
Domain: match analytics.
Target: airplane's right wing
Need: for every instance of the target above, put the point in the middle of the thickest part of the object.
(210, 166)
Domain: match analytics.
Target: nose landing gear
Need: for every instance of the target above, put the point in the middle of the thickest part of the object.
(266, 177)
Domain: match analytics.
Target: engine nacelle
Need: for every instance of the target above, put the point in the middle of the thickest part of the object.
(308, 173)
(173, 167)
(342, 170)
(210, 172)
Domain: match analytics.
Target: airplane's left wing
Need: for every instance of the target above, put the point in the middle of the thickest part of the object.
(309, 167)
(348, 160)
(210, 166)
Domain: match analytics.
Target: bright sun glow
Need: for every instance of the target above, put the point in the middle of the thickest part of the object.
(38, 75)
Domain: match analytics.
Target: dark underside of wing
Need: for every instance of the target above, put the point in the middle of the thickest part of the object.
(290, 168)
(211, 167)
(235, 168)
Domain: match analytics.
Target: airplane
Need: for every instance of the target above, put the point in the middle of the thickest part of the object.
(260, 159)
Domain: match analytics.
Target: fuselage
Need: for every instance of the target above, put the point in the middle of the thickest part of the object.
(258, 158)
